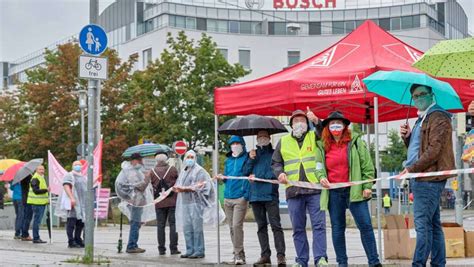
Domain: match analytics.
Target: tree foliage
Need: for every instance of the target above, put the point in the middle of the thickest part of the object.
(392, 159)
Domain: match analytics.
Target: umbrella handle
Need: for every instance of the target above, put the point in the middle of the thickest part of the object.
(408, 112)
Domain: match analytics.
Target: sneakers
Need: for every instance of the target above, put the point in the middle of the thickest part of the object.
(135, 250)
(28, 238)
(281, 260)
(39, 241)
(74, 245)
(322, 262)
(196, 256)
(264, 260)
(239, 260)
(175, 252)
(17, 237)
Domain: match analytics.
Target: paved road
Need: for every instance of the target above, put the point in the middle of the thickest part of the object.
(14, 253)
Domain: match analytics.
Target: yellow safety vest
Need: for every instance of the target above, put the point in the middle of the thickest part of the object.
(38, 199)
(294, 157)
(386, 202)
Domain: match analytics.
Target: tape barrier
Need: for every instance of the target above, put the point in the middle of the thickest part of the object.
(318, 186)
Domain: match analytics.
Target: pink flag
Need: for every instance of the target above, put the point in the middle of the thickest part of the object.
(97, 173)
(56, 174)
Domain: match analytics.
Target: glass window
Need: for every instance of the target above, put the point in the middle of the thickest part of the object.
(338, 15)
(373, 13)
(201, 24)
(256, 28)
(180, 22)
(191, 10)
(395, 11)
(244, 58)
(224, 52)
(407, 9)
(395, 23)
(233, 26)
(223, 25)
(359, 22)
(384, 24)
(293, 57)
(190, 23)
(416, 21)
(315, 28)
(350, 26)
(212, 25)
(349, 15)
(277, 28)
(245, 27)
(361, 13)
(407, 22)
(146, 57)
(172, 20)
(338, 27)
(384, 12)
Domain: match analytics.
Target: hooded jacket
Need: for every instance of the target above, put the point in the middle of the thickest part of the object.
(261, 167)
(234, 167)
(436, 148)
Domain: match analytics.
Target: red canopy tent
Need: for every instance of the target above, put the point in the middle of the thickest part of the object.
(332, 80)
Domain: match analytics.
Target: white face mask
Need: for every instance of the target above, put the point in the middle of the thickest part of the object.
(263, 141)
(299, 128)
(236, 149)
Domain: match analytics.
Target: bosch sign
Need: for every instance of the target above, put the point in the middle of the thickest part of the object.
(291, 4)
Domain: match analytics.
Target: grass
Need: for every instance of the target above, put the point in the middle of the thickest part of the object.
(83, 260)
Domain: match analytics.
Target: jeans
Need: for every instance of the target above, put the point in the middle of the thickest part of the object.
(387, 211)
(18, 204)
(135, 224)
(163, 215)
(429, 233)
(27, 216)
(74, 229)
(297, 208)
(339, 201)
(270, 209)
(193, 229)
(235, 210)
(38, 212)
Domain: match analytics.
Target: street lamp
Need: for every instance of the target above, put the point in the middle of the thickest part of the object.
(82, 107)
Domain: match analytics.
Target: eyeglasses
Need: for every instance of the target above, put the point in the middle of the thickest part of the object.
(420, 95)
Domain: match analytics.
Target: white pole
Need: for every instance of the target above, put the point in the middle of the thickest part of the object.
(97, 199)
(51, 218)
(215, 170)
(377, 165)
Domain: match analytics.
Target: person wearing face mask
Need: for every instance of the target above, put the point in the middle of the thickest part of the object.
(196, 205)
(430, 149)
(294, 159)
(38, 199)
(264, 200)
(236, 196)
(72, 204)
(134, 188)
(343, 157)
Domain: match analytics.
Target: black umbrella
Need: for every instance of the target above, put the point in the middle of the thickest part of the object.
(120, 242)
(28, 169)
(48, 223)
(251, 125)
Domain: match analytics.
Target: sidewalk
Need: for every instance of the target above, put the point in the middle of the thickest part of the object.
(15, 253)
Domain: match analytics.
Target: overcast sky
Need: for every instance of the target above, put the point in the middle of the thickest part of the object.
(29, 25)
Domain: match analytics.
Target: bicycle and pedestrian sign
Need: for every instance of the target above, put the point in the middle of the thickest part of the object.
(92, 67)
(93, 41)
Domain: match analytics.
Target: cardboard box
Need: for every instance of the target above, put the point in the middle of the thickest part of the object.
(454, 240)
(399, 237)
(469, 244)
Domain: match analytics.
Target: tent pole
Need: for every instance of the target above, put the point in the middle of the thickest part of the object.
(215, 170)
(377, 165)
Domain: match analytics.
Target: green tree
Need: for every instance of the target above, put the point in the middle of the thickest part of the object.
(173, 98)
(392, 159)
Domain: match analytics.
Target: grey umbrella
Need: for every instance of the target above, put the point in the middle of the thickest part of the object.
(28, 169)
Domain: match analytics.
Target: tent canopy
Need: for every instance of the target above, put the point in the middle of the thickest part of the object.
(331, 80)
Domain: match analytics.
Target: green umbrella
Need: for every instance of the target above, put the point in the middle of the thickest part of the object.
(145, 150)
(395, 85)
(449, 59)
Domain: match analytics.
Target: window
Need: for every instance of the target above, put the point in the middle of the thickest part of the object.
(180, 22)
(315, 28)
(147, 57)
(293, 57)
(416, 21)
(385, 24)
(223, 26)
(245, 27)
(190, 23)
(338, 27)
(233, 26)
(201, 24)
(277, 28)
(350, 26)
(407, 22)
(135, 65)
(395, 23)
(256, 27)
(224, 52)
(212, 25)
(244, 58)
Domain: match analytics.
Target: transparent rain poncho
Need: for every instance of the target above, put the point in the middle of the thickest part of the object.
(202, 202)
(79, 190)
(135, 191)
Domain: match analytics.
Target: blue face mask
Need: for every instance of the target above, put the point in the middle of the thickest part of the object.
(77, 168)
(189, 162)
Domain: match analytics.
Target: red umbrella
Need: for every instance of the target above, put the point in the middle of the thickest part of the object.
(9, 173)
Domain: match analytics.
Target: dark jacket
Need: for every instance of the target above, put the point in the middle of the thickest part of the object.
(436, 148)
(234, 167)
(163, 182)
(261, 167)
(25, 188)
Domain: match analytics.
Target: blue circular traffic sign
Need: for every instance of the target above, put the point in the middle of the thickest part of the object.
(93, 39)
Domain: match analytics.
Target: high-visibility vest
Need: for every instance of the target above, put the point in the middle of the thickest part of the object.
(38, 199)
(294, 157)
(386, 202)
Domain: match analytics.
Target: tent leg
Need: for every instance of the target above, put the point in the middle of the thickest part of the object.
(215, 170)
(377, 165)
